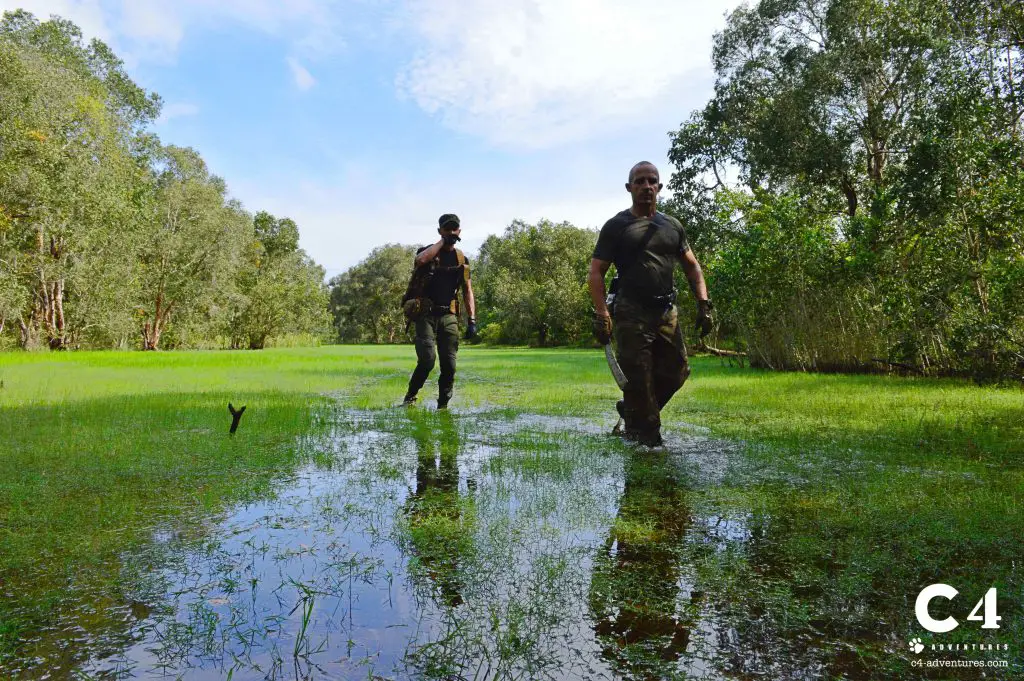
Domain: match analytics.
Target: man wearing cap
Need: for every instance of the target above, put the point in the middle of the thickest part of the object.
(437, 328)
(645, 246)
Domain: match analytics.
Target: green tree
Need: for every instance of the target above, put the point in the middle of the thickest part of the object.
(279, 289)
(895, 123)
(531, 284)
(276, 236)
(365, 299)
(69, 179)
(192, 249)
(103, 230)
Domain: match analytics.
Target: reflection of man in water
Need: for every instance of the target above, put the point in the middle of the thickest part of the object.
(439, 533)
(635, 584)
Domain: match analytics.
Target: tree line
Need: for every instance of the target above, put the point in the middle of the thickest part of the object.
(109, 238)
(529, 283)
(855, 185)
(854, 190)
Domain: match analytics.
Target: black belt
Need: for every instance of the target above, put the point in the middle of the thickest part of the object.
(653, 302)
(441, 310)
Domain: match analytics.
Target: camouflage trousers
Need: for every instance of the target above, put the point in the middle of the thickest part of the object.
(435, 336)
(652, 355)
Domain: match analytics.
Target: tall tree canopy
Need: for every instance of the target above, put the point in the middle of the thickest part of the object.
(896, 126)
(109, 237)
(70, 179)
(531, 284)
(366, 299)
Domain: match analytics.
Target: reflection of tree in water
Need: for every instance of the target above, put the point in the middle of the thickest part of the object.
(635, 584)
(440, 521)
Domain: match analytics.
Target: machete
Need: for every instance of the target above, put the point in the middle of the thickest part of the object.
(613, 364)
(620, 377)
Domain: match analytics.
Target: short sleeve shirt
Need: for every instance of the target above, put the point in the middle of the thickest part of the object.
(448, 277)
(644, 260)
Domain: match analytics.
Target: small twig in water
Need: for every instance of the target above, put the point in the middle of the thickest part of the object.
(236, 416)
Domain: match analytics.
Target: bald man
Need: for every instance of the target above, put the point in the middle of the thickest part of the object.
(645, 245)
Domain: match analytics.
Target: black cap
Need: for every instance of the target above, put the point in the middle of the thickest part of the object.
(446, 218)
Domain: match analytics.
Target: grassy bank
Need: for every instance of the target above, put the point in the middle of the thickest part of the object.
(864, 489)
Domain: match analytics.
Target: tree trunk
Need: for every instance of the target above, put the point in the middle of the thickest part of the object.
(151, 331)
(257, 342)
(151, 335)
(57, 335)
(29, 334)
(876, 160)
(851, 195)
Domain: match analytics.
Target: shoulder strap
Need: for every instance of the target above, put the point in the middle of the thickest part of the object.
(418, 280)
(462, 264)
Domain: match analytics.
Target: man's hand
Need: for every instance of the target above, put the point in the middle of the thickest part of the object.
(603, 328)
(450, 239)
(704, 321)
(471, 329)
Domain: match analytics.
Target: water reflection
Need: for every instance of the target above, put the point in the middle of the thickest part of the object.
(440, 546)
(638, 579)
(439, 519)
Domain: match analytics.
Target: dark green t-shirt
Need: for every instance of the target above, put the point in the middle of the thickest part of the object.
(645, 262)
(448, 276)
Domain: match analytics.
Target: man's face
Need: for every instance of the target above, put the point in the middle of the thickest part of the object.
(645, 185)
(450, 228)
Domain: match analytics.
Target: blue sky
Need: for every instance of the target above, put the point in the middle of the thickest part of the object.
(364, 120)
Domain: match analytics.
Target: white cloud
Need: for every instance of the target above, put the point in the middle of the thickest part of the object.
(538, 73)
(597, 83)
(303, 78)
(176, 110)
(88, 14)
(152, 30)
(343, 217)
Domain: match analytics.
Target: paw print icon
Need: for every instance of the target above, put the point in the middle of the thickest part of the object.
(916, 645)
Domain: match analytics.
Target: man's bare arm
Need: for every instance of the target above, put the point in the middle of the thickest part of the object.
(595, 280)
(694, 275)
(429, 253)
(467, 295)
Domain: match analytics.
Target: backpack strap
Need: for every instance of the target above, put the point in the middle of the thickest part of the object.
(460, 258)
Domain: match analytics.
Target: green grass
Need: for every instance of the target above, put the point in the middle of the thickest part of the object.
(101, 448)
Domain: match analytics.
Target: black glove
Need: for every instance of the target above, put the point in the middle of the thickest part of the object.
(603, 328)
(471, 329)
(704, 321)
(450, 239)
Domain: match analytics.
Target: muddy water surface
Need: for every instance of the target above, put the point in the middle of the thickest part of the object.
(425, 545)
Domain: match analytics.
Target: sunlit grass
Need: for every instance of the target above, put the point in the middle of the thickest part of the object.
(100, 448)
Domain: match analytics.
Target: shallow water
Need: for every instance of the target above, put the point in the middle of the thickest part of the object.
(476, 545)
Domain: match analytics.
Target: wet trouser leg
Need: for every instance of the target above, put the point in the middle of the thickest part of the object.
(670, 368)
(425, 354)
(447, 349)
(634, 337)
(653, 358)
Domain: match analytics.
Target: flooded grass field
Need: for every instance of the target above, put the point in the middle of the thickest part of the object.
(783, 532)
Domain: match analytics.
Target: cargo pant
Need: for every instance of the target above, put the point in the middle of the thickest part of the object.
(652, 355)
(435, 336)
